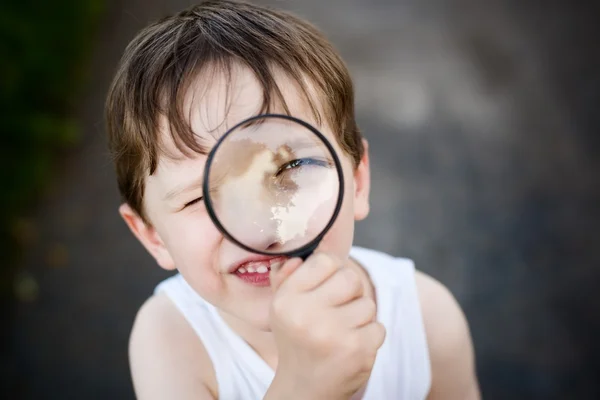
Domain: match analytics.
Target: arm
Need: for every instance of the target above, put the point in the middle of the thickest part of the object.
(165, 355)
(449, 341)
(166, 358)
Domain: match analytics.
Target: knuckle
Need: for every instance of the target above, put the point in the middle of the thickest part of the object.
(380, 333)
(352, 279)
(370, 308)
(326, 260)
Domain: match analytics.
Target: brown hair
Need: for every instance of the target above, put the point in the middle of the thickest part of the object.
(159, 64)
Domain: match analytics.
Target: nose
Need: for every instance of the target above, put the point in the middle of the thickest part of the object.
(259, 239)
(250, 222)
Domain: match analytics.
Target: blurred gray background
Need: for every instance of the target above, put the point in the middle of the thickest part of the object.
(481, 116)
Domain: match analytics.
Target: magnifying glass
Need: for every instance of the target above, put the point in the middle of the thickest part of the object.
(273, 185)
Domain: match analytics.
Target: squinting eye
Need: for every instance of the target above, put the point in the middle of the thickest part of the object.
(191, 203)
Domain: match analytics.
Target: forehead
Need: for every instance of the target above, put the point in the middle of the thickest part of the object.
(216, 101)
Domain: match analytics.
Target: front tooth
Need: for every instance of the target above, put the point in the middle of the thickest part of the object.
(241, 270)
(262, 269)
(250, 269)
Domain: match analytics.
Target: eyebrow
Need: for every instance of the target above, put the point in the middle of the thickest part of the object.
(198, 183)
(184, 188)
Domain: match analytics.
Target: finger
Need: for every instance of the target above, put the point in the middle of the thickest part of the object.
(373, 334)
(343, 286)
(358, 312)
(278, 276)
(315, 270)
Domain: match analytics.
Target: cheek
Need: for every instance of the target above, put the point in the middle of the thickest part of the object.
(339, 238)
(192, 241)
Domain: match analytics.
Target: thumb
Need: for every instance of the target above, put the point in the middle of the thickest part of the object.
(278, 276)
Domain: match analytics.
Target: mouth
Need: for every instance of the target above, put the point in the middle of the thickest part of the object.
(256, 270)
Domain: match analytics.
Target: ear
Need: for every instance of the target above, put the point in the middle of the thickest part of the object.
(362, 185)
(148, 236)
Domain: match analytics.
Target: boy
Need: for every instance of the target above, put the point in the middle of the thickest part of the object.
(347, 322)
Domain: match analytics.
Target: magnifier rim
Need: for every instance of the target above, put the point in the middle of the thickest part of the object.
(310, 246)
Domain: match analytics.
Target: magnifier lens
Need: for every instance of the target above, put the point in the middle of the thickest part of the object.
(273, 185)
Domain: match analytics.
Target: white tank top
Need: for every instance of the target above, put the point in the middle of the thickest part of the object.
(401, 370)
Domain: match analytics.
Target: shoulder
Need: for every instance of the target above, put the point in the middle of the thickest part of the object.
(449, 341)
(384, 269)
(166, 357)
(442, 316)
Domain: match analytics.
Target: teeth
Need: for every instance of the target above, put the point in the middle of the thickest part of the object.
(262, 269)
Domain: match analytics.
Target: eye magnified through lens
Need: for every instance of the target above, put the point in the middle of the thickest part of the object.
(273, 185)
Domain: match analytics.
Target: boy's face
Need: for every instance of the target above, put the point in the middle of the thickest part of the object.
(184, 237)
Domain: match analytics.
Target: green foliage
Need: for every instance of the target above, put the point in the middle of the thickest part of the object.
(44, 53)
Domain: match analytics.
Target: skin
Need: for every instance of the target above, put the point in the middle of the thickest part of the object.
(167, 359)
